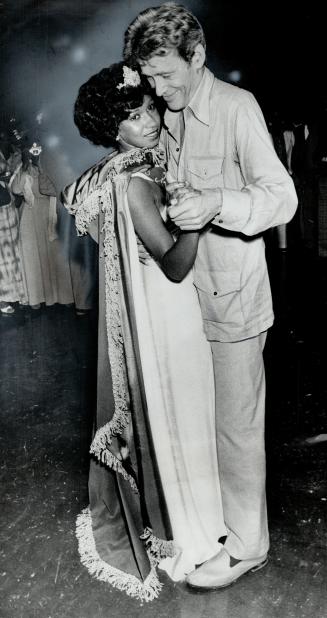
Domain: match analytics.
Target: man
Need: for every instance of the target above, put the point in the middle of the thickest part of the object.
(229, 183)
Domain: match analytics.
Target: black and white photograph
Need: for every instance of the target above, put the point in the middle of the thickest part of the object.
(163, 304)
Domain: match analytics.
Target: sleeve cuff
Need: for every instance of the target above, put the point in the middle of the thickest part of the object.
(235, 210)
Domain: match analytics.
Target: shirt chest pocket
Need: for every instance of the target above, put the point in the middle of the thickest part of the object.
(205, 172)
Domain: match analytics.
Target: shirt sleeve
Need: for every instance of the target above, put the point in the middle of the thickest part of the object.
(268, 197)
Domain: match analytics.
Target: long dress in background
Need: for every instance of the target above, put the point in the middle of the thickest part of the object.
(11, 280)
(45, 266)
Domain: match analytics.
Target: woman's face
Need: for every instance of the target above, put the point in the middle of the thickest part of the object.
(141, 128)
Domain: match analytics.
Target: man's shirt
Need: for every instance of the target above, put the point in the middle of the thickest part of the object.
(226, 146)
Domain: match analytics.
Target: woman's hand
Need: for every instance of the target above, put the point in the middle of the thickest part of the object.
(144, 256)
(119, 446)
(180, 191)
(173, 188)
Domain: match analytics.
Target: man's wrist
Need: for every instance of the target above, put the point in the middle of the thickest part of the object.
(214, 200)
(220, 202)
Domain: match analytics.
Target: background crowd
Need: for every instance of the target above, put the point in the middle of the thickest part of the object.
(41, 259)
(301, 144)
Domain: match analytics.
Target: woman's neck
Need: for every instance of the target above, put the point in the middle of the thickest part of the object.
(125, 147)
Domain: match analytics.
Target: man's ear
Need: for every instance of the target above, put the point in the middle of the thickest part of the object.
(199, 56)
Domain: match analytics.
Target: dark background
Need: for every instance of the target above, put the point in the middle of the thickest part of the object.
(49, 47)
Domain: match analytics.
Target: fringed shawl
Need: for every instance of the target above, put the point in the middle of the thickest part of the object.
(131, 488)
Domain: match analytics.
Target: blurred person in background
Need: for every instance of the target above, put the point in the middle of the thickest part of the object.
(11, 279)
(46, 269)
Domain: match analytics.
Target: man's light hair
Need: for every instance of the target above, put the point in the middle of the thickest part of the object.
(157, 30)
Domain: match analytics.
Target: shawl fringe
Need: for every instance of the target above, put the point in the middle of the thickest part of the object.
(106, 457)
(121, 417)
(87, 211)
(103, 198)
(158, 549)
(101, 570)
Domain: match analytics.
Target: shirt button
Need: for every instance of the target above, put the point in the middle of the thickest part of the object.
(220, 221)
(215, 293)
(177, 149)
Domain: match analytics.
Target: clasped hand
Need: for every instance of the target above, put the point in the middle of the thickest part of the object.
(187, 207)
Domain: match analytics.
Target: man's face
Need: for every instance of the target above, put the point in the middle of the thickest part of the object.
(173, 79)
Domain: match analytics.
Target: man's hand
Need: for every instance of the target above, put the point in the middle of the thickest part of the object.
(191, 209)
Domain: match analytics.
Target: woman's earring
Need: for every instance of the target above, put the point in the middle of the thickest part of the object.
(117, 138)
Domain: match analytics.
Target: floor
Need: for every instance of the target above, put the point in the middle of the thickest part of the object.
(47, 374)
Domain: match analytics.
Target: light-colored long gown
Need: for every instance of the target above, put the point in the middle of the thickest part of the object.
(45, 265)
(179, 382)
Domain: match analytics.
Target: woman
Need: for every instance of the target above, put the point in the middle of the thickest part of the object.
(46, 271)
(11, 282)
(155, 409)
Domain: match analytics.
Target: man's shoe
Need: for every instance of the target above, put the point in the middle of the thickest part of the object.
(222, 570)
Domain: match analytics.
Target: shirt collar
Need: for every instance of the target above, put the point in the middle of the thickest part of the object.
(199, 104)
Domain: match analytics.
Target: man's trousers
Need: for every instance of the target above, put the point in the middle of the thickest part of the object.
(240, 422)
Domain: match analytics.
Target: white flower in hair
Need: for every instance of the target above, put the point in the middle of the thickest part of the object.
(131, 78)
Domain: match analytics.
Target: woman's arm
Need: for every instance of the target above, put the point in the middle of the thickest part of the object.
(175, 258)
(21, 184)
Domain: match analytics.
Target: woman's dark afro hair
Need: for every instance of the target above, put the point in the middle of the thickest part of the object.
(100, 106)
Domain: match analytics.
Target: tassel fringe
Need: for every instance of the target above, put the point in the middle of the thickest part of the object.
(108, 459)
(101, 570)
(159, 549)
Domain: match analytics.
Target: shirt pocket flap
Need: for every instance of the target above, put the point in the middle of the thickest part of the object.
(205, 167)
(217, 283)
